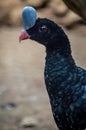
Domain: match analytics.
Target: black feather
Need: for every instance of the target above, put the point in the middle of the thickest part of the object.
(65, 81)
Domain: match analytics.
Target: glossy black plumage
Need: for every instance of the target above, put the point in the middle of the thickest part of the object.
(65, 81)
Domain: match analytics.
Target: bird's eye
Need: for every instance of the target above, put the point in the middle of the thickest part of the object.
(43, 28)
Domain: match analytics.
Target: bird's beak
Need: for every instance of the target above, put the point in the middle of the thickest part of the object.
(23, 36)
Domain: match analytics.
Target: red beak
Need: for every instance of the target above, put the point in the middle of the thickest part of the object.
(23, 36)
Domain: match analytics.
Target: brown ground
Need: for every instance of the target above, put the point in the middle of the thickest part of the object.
(21, 78)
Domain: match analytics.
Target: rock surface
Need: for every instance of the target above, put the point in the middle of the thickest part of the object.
(29, 122)
(78, 6)
(10, 12)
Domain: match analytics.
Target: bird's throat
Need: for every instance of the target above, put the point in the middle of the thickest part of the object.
(57, 69)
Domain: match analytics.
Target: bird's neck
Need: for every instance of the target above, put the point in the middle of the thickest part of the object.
(57, 69)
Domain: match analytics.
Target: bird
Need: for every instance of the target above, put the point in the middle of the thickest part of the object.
(65, 81)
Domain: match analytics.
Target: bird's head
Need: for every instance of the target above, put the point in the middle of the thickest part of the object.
(47, 33)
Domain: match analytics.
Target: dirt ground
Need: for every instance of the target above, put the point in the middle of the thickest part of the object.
(22, 79)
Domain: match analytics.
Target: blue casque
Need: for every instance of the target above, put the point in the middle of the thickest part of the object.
(28, 17)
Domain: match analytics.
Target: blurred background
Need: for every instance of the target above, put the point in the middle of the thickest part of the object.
(24, 103)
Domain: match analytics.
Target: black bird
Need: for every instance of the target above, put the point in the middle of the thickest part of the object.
(65, 81)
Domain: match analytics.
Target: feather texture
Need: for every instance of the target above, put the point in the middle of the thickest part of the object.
(65, 81)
